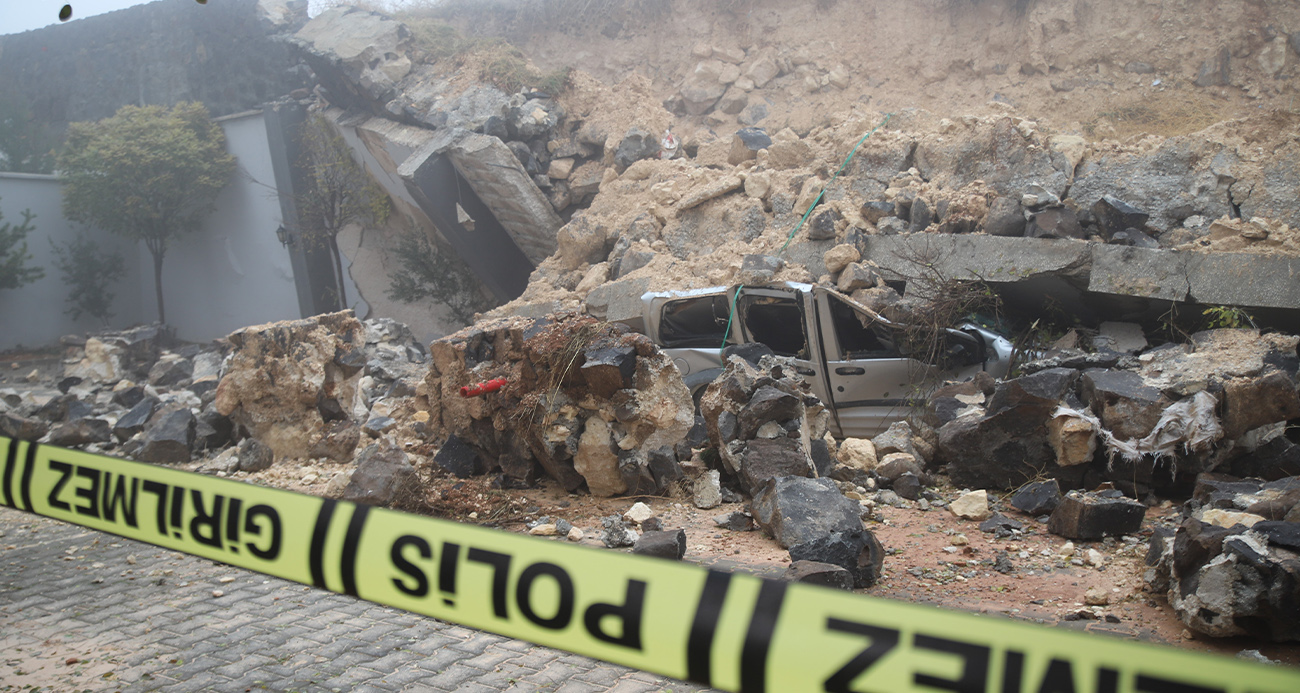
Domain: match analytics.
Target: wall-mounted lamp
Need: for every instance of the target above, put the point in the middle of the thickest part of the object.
(282, 235)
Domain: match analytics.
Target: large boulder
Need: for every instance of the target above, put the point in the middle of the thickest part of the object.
(1226, 582)
(588, 403)
(285, 379)
(797, 510)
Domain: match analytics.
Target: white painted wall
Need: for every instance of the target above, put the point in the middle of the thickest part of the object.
(231, 273)
(33, 315)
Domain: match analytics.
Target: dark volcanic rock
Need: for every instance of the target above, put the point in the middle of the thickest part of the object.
(1054, 222)
(796, 510)
(169, 436)
(21, 427)
(1037, 498)
(815, 573)
(858, 552)
(383, 473)
(1093, 516)
(134, 420)
(1114, 215)
(765, 459)
(459, 458)
(83, 431)
(670, 544)
(254, 455)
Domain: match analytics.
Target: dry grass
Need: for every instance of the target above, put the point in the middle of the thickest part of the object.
(1166, 113)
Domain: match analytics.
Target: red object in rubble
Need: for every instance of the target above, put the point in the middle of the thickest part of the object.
(483, 388)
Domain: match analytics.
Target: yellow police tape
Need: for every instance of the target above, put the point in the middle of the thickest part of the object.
(731, 632)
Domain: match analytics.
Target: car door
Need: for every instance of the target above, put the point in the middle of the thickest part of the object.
(780, 317)
(871, 383)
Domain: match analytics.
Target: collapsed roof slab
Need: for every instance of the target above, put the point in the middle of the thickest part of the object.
(1033, 268)
(491, 169)
(506, 188)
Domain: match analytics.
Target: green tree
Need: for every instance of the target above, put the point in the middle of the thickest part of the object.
(26, 145)
(88, 272)
(338, 192)
(14, 270)
(433, 273)
(147, 173)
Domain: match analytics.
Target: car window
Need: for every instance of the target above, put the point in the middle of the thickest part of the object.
(699, 321)
(859, 335)
(776, 322)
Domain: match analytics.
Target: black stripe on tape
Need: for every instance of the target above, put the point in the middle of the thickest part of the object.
(758, 640)
(6, 483)
(699, 647)
(316, 559)
(26, 486)
(351, 543)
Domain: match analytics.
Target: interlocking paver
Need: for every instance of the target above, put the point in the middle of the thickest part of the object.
(170, 634)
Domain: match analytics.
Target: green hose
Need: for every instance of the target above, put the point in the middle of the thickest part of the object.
(732, 313)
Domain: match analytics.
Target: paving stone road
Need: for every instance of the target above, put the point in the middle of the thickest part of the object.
(140, 618)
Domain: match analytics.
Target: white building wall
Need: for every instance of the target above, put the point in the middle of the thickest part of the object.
(231, 273)
(33, 315)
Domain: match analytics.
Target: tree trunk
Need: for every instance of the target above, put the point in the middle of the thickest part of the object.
(338, 269)
(157, 284)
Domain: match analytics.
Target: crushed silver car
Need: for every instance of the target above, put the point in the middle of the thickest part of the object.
(854, 359)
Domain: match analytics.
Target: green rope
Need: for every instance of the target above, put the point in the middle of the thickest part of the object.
(847, 159)
(732, 313)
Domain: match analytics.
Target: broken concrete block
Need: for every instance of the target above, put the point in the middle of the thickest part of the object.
(1095, 515)
(666, 544)
(796, 510)
(815, 573)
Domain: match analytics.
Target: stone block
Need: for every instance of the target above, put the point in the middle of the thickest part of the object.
(1092, 516)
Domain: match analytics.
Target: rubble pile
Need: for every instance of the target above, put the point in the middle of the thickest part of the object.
(764, 422)
(585, 402)
(1232, 565)
(1143, 422)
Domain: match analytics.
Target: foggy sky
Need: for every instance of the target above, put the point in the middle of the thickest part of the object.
(17, 16)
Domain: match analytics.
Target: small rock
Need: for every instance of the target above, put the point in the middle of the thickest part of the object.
(817, 573)
(1037, 498)
(670, 544)
(544, 530)
(1095, 558)
(574, 534)
(971, 506)
(1096, 596)
(218, 593)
